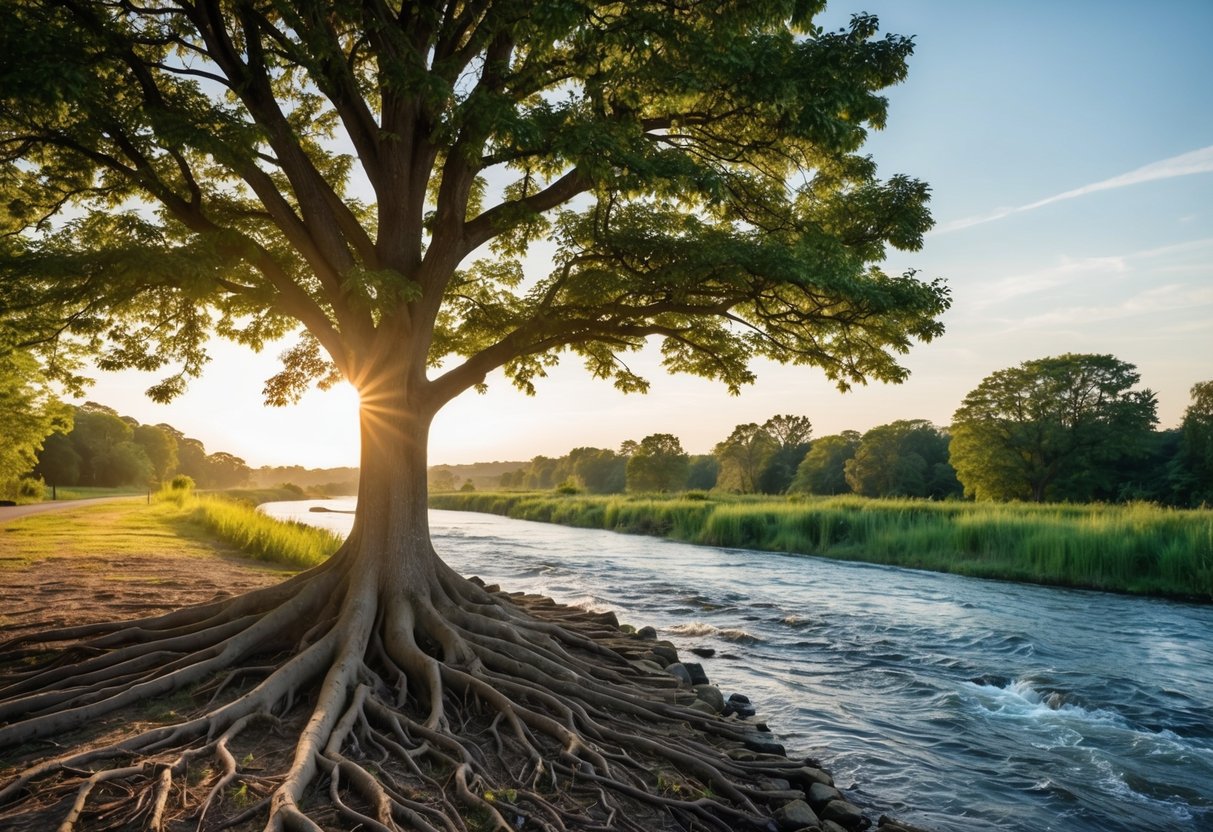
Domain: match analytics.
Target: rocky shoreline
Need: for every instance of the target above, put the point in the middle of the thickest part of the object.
(808, 799)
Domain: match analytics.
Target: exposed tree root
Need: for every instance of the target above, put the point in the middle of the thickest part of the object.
(449, 709)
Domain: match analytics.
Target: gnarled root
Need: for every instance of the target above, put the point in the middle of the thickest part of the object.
(327, 703)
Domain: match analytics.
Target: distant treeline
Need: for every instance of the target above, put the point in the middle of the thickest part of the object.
(1063, 429)
(106, 449)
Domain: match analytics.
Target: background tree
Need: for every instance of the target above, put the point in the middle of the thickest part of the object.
(1193, 470)
(28, 415)
(702, 472)
(822, 471)
(658, 464)
(97, 433)
(441, 479)
(1052, 428)
(906, 458)
(192, 461)
(58, 462)
(224, 470)
(160, 447)
(790, 436)
(742, 458)
(599, 470)
(371, 177)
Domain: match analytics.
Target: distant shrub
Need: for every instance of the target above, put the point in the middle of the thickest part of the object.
(291, 487)
(31, 490)
(181, 482)
(568, 489)
(695, 495)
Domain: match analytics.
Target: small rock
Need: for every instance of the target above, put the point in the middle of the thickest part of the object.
(666, 651)
(806, 776)
(712, 695)
(704, 652)
(647, 632)
(698, 677)
(739, 697)
(820, 794)
(627, 628)
(609, 618)
(679, 671)
(844, 814)
(795, 816)
(703, 707)
(831, 826)
(743, 710)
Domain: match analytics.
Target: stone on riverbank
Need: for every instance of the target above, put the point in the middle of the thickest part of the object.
(845, 814)
(796, 816)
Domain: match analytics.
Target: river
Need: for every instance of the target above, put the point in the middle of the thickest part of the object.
(953, 703)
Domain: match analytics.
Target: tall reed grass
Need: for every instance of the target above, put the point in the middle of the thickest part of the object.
(1136, 548)
(256, 534)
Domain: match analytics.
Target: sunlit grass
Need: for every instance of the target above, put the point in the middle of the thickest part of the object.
(173, 525)
(261, 536)
(1138, 548)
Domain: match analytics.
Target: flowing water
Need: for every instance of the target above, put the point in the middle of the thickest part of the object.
(949, 702)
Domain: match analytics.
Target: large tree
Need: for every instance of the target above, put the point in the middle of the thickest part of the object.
(743, 456)
(1051, 428)
(823, 469)
(370, 175)
(906, 458)
(656, 463)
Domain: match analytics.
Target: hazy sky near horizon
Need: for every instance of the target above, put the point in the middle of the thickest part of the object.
(1069, 147)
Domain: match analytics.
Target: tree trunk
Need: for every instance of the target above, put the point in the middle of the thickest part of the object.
(391, 525)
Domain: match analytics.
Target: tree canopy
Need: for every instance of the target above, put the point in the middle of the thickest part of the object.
(656, 463)
(763, 458)
(28, 416)
(906, 458)
(1050, 428)
(377, 179)
(823, 469)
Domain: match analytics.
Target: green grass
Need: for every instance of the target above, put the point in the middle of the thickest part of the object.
(84, 492)
(175, 524)
(259, 535)
(1137, 548)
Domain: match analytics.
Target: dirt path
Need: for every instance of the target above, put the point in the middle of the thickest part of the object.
(8, 513)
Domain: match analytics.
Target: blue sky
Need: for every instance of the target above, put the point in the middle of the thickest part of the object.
(1069, 147)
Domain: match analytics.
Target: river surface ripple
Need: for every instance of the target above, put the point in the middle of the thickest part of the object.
(954, 703)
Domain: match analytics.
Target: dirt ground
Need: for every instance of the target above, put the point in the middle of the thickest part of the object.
(68, 590)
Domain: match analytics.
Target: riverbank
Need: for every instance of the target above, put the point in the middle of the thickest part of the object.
(1137, 549)
(58, 576)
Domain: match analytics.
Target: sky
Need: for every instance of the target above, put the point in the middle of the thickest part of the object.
(1069, 148)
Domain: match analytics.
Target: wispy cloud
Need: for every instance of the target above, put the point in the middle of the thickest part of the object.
(1156, 300)
(1185, 164)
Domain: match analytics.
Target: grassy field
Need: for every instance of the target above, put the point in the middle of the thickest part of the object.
(1139, 548)
(178, 523)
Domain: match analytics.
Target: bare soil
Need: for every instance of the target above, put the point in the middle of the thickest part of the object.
(67, 590)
